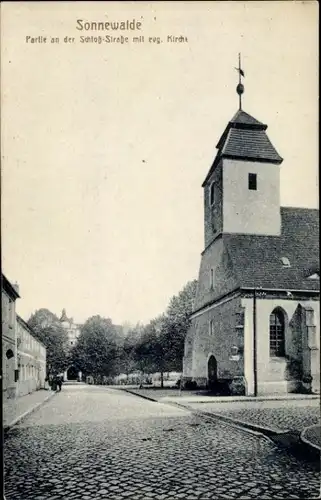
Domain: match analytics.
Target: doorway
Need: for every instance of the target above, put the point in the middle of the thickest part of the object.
(212, 372)
(72, 373)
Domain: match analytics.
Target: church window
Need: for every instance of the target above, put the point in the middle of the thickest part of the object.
(212, 278)
(211, 327)
(253, 182)
(212, 193)
(285, 262)
(277, 340)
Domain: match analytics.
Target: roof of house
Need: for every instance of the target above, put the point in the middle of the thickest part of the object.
(257, 260)
(9, 288)
(29, 329)
(244, 138)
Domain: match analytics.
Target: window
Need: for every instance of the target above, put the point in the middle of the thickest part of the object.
(9, 354)
(211, 327)
(253, 182)
(11, 313)
(212, 193)
(211, 278)
(285, 262)
(277, 340)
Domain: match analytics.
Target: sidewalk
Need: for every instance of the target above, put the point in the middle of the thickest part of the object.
(312, 436)
(228, 399)
(15, 410)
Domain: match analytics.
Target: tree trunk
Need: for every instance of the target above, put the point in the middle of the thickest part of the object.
(162, 380)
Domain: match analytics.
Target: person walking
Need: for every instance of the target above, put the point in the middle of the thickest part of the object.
(59, 382)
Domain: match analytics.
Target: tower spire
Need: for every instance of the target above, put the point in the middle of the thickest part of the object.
(240, 86)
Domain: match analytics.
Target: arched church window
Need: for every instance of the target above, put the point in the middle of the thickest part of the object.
(277, 337)
(212, 193)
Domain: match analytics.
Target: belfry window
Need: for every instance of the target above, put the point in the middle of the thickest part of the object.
(277, 338)
(211, 278)
(253, 182)
(212, 193)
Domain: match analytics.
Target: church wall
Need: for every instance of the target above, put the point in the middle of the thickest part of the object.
(215, 257)
(271, 372)
(220, 344)
(251, 211)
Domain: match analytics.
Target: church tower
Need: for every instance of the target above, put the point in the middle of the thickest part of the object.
(242, 188)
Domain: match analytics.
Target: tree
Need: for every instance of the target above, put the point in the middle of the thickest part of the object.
(128, 361)
(152, 348)
(96, 350)
(177, 324)
(48, 329)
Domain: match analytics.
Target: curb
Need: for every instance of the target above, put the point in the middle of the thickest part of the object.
(140, 395)
(18, 419)
(267, 431)
(285, 438)
(314, 448)
(257, 429)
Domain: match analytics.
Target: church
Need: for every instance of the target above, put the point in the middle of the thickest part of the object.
(255, 321)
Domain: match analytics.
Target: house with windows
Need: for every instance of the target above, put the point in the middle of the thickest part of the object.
(256, 313)
(31, 355)
(9, 295)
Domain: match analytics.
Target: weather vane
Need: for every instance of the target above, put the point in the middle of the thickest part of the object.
(240, 87)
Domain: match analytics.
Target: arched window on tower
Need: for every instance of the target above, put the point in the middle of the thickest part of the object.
(277, 334)
(212, 193)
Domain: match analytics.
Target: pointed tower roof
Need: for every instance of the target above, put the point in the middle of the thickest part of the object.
(64, 316)
(245, 138)
(243, 117)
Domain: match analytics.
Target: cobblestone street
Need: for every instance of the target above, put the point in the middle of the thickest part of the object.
(92, 443)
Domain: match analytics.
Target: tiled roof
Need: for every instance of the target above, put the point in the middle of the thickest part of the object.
(257, 261)
(244, 138)
(245, 143)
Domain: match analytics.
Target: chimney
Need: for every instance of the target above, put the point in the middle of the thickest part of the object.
(16, 287)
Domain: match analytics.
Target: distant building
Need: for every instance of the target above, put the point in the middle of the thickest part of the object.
(256, 314)
(9, 295)
(72, 329)
(31, 359)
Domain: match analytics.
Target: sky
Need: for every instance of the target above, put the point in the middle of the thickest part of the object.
(105, 146)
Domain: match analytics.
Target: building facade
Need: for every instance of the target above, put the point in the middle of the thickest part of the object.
(9, 295)
(73, 331)
(31, 355)
(256, 313)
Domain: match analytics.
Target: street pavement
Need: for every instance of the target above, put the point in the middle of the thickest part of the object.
(92, 442)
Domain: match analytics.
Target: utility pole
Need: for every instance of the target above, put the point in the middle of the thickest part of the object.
(254, 343)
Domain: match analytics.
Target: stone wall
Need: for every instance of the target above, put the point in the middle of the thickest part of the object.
(225, 335)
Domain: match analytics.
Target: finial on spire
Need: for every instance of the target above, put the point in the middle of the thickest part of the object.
(240, 87)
